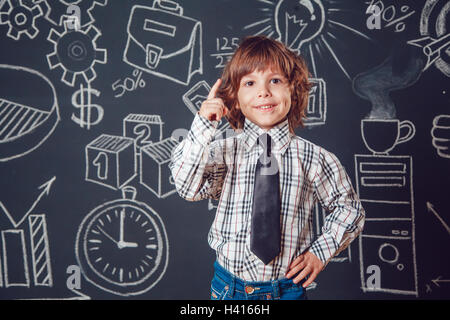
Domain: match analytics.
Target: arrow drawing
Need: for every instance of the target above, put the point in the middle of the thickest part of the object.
(431, 208)
(45, 191)
(438, 279)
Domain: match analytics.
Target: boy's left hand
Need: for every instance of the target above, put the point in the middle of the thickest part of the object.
(310, 264)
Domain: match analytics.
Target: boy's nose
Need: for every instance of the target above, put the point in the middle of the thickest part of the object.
(263, 92)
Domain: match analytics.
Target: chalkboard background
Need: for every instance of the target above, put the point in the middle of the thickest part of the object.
(87, 112)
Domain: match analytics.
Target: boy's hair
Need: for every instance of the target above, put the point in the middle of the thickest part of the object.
(259, 53)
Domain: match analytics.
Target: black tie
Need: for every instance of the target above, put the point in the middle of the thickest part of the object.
(265, 234)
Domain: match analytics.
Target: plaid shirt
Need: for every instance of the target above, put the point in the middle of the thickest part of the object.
(224, 169)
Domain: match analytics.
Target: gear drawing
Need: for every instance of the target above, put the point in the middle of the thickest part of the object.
(76, 52)
(57, 10)
(21, 19)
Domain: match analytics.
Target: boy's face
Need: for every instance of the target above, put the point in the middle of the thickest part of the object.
(264, 97)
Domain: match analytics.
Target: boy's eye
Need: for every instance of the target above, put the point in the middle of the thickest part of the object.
(276, 80)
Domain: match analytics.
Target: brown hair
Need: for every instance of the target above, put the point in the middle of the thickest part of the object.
(259, 53)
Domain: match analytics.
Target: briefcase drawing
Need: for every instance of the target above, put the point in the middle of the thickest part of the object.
(163, 42)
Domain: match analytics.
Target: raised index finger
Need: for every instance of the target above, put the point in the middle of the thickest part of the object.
(213, 92)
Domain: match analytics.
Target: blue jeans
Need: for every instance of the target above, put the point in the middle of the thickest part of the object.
(225, 286)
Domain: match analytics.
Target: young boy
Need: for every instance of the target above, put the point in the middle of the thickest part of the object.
(263, 93)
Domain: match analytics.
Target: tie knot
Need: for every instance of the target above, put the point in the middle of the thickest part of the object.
(265, 141)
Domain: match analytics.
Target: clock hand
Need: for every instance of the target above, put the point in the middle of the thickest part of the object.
(124, 244)
(120, 244)
(108, 236)
(122, 218)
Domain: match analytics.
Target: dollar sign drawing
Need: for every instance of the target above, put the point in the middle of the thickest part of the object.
(85, 106)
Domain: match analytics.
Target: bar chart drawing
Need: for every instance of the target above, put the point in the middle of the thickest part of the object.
(15, 265)
(40, 251)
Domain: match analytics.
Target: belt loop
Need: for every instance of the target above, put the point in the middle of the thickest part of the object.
(232, 286)
(276, 289)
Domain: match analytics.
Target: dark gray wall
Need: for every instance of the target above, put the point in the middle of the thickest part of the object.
(86, 117)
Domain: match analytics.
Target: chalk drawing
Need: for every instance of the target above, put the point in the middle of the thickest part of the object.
(25, 122)
(17, 218)
(57, 12)
(440, 133)
(155, 173)
(384, 184)
(376, 84)
(225, 47)
(305, 26)
(21, 19)
(40, 250)
(128, 84)
(160, 37)
(431, 208)
(114, 161)
(15, 265)
(111, 161)
(78, 295)
(15, 261)
(90, 114)
(143, 128)
(300, 26)
(435, 37)
(385, 187)
(392, 15)
(382, 135)
(438, 281)
(76, 53)
(316, 111)
(122, 246)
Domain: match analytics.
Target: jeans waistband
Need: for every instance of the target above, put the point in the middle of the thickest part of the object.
(252, 287)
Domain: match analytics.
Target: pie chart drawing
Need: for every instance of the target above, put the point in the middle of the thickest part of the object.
(28, 110)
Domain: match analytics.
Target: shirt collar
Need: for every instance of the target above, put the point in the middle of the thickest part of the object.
(280, 134)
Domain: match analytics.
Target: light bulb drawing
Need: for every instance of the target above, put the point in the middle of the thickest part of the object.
(308, 27)
(298, 22)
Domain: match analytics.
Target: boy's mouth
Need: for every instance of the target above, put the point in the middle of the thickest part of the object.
(265, 107)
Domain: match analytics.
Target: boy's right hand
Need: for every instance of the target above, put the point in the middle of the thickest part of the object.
(213, 108)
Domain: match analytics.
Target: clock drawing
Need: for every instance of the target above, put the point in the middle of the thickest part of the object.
(122, 246)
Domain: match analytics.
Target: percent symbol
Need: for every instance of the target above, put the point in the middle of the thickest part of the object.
(129, 84)
(139, 82)
(389, 14)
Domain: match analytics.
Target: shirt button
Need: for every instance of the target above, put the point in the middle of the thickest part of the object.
(249, 289)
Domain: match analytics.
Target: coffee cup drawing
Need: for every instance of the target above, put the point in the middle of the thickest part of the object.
(382, 135)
